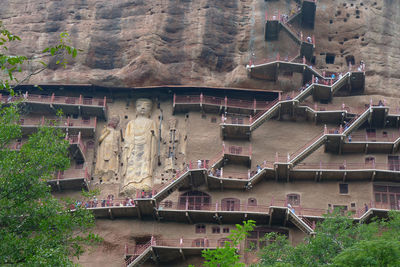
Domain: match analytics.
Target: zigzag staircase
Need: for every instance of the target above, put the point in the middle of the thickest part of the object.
(137, 260)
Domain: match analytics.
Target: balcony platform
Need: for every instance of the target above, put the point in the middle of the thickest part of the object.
(235, 131)
(308, 10)
(68, 184)
(50, 104)
(86, 128)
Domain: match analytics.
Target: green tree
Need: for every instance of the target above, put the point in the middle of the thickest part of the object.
(36, 229)
(227, 255)
(339, 242)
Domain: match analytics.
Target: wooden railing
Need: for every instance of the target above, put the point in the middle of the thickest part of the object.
(237, 150)
(219, 101)
(53, 99)
(58, 122)
(73, 173)
(348, 166)
(169, 205)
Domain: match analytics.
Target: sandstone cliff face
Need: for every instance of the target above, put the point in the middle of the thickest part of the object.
(205, 42)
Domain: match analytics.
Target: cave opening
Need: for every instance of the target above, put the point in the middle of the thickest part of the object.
(330, 58)
(350, 60)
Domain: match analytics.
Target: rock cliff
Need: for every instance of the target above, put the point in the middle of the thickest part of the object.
(205, 42)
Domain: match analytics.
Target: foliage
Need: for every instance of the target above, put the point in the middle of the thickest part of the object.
(11, 64)
(36, 229)
(227, 255)
(339, 242)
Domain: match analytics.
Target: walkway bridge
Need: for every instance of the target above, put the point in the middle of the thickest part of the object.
(287, 103)
(214, 104)
(70, 179)
(50, 104)
(84, 126)
(275, 22)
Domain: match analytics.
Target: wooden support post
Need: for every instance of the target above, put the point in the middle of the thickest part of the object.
(188, 217)
(110, 213)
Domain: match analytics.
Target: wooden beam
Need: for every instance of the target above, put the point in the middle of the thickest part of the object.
(110, 214)
(188, 217)
(138, 210)
(286, 218)
(271, 211)
(155, 257)
(182, 254)
(218, 218)
(288, 173)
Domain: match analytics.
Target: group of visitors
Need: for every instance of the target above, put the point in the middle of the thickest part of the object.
(109, 202)
(362, 66)
(215, 172)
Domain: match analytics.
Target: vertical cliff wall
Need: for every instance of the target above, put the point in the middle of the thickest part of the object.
(204, 42)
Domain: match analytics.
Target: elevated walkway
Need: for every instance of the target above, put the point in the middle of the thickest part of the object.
(345, 172)
(286, 103)
(237, 155)
(308, 10)
(213, 104)
(275, 22)
(272, 29)
(86, 127)
(50, 104)
(364, 144)
(70, 179)
(77, 148)
(164, 251)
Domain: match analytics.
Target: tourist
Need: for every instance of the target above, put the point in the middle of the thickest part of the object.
(316, 79)
(95, 201)
(309, 39)
(212, 171)
(199, 164)
(290, 208)
(365, 207)
(258, 169)
(380, 103)
(349, 138)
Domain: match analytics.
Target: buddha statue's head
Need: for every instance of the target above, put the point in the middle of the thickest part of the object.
(114, 121)
(143, 107)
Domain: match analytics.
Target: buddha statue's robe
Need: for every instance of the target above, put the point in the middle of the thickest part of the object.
(139, 154)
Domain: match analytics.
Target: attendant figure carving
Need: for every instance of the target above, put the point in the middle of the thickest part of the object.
(109, 149)
(139, 150)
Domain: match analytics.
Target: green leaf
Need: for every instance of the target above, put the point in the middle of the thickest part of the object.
(44, 64)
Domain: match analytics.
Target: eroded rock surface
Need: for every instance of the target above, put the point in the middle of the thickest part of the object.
(140, 43)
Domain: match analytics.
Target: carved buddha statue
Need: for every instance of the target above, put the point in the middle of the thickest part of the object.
(109, 149)
(139, 150)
